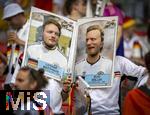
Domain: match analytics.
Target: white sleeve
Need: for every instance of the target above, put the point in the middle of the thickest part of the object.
(33, 51)
(129, 68)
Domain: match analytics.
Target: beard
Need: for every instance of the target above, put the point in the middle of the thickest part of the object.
(50, 47)
(93, 52)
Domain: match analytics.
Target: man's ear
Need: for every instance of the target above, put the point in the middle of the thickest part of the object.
(33, 85)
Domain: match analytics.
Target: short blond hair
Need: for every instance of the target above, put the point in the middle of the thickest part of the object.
(96, 27)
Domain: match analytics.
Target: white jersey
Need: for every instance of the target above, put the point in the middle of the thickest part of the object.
(39, 52)
(102, 65)
(105, 101)
(22, 35)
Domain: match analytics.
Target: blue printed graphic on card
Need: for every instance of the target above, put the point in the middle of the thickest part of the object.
(98, 79)
(51, 70)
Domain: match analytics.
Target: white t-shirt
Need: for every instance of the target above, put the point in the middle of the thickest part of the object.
(105, 101)
(22, 35)
(102, 65)
(39, 52)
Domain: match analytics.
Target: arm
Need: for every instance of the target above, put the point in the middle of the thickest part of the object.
(12, 36)
(129, 68)
(66, 88)
(20, 42)
(64, 95)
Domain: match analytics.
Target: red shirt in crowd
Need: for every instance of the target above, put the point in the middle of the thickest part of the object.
(137, 102)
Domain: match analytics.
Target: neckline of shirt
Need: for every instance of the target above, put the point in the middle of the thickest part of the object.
(94, 62)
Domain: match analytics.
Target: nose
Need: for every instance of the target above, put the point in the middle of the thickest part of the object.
(88, 42)
(53, 34)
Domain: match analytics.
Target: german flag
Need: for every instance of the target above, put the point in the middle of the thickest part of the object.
(32, 63)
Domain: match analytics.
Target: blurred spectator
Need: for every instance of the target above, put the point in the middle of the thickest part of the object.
(129, 28)
(134, 46)
(111, 9)
(133, 49)
(75, 9)
(30, 79)
(137, 102)
(147, 39)
(17, 36)
(58, 6)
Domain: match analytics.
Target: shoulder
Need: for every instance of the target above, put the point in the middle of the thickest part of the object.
(122, 62)
(35, 45)
(34, 48)
(106, 60)
(80, 66)
(121, 59)
(61, 54)
(118, 58)
(80, 62)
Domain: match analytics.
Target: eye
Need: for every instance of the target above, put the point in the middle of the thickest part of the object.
(92, 39)
(50, 32)
(56, 33)
(20, 80)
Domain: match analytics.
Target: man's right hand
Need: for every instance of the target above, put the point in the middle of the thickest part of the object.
(13, 37)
